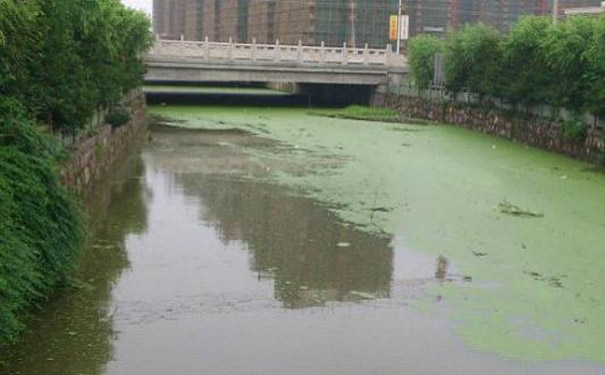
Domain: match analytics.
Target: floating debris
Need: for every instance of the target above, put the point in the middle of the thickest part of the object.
(362, 295)
(554, 281)
(442, 266)
(343, 244)
(508, 208)
(381, 209)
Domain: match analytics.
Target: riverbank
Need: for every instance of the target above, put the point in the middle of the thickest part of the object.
(588, 145)
(91, 158)
(43, 227)
(445, 191)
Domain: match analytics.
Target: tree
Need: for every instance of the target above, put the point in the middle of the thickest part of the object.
(566, 47)
(473, 60)
(68, 58)
(17, 35)
(528, 78)
(594, 55)
(422, 50)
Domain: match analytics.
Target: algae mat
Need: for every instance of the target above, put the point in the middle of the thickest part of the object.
(524, 229)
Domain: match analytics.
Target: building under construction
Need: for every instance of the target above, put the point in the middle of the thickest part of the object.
(334, 22)
(312, 22)
(437, 17)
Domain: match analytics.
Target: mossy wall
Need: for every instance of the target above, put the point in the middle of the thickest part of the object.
(41, 225)
(527, 129)
(91, 158)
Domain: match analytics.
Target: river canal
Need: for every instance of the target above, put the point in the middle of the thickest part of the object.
(267, 240)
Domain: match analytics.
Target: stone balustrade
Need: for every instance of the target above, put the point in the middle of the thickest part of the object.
(276, 54)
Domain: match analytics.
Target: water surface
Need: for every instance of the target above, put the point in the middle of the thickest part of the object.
(268, 241)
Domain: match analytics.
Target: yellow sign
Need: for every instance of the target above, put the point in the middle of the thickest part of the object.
(393, 27)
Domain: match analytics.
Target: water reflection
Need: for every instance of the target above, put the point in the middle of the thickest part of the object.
(312, 256)
(213, 257)
(74, 334)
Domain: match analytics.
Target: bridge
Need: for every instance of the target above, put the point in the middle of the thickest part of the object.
(304, 69)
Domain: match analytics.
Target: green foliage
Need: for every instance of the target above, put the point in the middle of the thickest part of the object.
(67, 58)
(601, 158)
(564, 48)
(118, 116)
(528, 80)
(593, 76)
(40, 226)
(64, 59)
(473, 59)
(15, 35)
(421, 51)
(574, 130)
(561, 65)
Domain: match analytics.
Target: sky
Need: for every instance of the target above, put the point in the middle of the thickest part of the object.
(145, 5)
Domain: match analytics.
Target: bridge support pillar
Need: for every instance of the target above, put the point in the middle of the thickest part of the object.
(378, 96)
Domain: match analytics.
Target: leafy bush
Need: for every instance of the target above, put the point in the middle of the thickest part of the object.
(40, 226)
(421, 51)
(87, 54)
(64, 58)
(473, 60)
(118, 116)
(601, 158)
(528, 78)
(561, 65)
(574, 130)
(565, 48)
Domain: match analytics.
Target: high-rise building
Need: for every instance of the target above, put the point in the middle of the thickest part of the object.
(194, 25)
(261, 22)
(437, 17)
(334, 22)
(169, 18)
(431, 16)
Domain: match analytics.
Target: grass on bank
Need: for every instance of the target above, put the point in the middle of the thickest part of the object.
(40, 225)
(358, 112)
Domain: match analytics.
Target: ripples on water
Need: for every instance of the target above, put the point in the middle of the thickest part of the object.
(199, 263)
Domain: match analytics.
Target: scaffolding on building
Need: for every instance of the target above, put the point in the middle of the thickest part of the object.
(334, 22)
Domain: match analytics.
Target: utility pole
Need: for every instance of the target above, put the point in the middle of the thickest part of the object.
(555, 11)
(399, 28)
(353, 15)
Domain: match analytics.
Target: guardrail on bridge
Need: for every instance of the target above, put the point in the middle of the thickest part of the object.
(253, 53)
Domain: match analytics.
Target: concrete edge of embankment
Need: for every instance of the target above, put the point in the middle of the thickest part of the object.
(92, 158)
(530, 130)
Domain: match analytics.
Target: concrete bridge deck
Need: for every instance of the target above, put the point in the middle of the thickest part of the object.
(187, 61)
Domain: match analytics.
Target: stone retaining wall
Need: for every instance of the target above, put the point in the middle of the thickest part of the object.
(92, 157)
(527, 129)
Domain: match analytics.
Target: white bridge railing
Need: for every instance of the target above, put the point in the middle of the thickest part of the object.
(207, 51)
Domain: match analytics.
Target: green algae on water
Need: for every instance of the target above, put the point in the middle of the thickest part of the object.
(443, 192)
